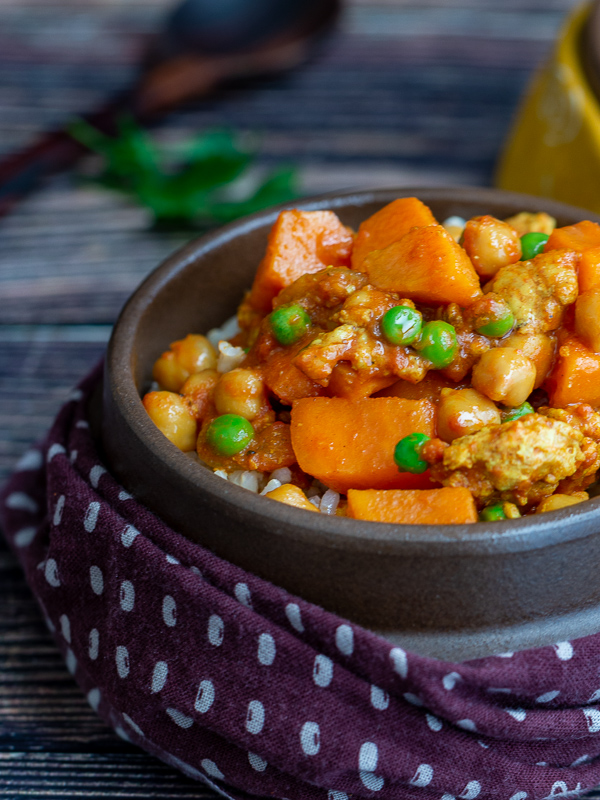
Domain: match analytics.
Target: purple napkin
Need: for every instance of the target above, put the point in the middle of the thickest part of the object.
(252, 690)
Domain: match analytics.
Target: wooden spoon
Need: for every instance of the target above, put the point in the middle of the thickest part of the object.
(202, 45)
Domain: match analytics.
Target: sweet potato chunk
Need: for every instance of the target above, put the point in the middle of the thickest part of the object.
(452, 505)
(589, 269)
(284, 379)
(300, 242)
(350, 443)
(426, 265)
(388, 225)
(575, 377)
(581, 237)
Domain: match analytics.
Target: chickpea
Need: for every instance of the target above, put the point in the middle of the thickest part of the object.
(528, 222)
(539, 348)
(490, 244)
(198, 390)
(195, 353)
(292, 496)
(186, 357)
(240, 391)
(587, 318)
(171, 415)
(464, 411)
(556, 501)
(504, 375)
(169, 373)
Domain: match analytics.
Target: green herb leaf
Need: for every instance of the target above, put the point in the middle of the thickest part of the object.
(194, 183)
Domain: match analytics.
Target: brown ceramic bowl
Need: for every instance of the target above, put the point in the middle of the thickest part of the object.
(453, 591)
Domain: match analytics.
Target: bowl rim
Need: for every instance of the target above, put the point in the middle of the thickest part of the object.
(511, 536)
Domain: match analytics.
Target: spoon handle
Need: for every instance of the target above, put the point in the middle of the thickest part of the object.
(23, 171)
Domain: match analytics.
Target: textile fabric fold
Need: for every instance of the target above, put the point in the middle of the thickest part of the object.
(257, 692)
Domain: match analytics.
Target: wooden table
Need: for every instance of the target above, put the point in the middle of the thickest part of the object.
(407, 92)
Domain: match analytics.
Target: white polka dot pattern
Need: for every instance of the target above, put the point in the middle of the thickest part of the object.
(266, 649)
(423, 776)
(128, 536)
(241, 678)
(379, 699)
(399, 661)
(51, 572)
(310, 738)
(257, 763)
(122, 659)
(93, 697)
(255, 717)
(242, 594)
(211, 768)
(205, 696)
(31, 460)
(96, 579)
(127, 596)
(94, 644)
(91, 517)
(564, 651)
(292, 612)
(25, 536)
(216, 630)
(65, 627)
(367, 764)
(71, 661)
(322, 671)
(19, 501)
(179, 718)
(159, 676)
(169, 611)
(58, 510)
(344, 639)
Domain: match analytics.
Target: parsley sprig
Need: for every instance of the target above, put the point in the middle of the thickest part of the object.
(196, 184)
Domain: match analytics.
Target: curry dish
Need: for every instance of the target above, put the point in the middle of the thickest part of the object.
(414, 371)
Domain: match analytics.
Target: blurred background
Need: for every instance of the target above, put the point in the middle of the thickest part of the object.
(400, 93)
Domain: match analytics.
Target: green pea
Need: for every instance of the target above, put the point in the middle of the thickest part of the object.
(229, 434)
(532, 244)
(520, 411)
(289, 323)
(438, 343)
(401, 325)
(498, 327)
(407, 453)
(492, 513)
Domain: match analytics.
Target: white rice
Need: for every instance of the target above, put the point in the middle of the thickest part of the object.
(228, 330)
(271, 486)
(324, 500)
(283, 475)
(230, 357)
(329, 502)
(246, 479)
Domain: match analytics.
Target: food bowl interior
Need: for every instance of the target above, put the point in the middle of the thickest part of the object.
(451, 591)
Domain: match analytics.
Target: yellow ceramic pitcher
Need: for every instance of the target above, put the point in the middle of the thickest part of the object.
(554, 147)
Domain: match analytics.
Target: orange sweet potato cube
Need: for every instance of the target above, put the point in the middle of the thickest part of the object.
(388, 225)
(300, 242)
(350, 443)
(426, 265)
(581, 237)
(446, 506)
(589, 269)
(575, 377)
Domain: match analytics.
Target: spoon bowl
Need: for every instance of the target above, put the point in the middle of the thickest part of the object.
(202, 45)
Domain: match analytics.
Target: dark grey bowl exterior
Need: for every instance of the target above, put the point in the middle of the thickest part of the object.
(455, 591)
